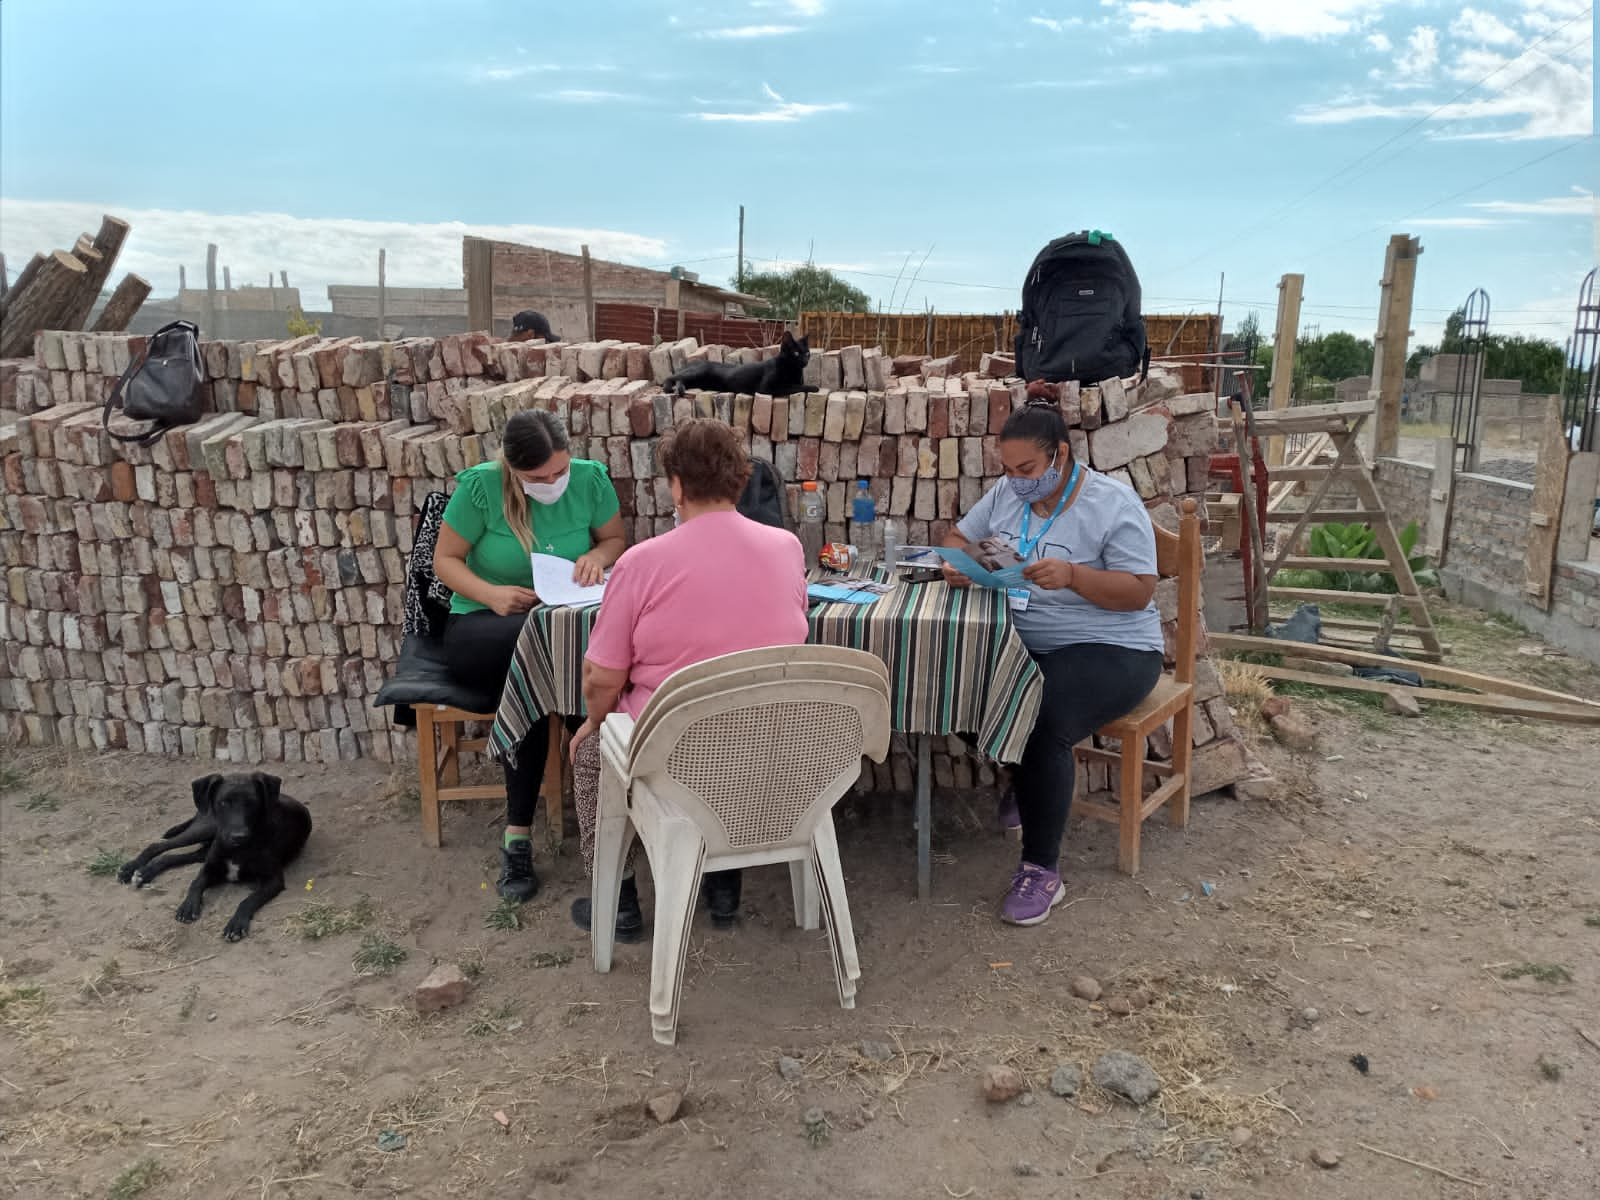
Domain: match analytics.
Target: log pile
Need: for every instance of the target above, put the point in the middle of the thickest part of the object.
(58, 291)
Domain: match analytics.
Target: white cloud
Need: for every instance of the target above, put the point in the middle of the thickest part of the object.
(1417, 61)
(781, 110)
(1579, 204)
(1269, 18)
(315, 251)
(1541, 85)
(1056, 24)
(1456, 222)
(587, 96)
(507, 72)
(745, 32)
(1380, 42)
(1483, 28)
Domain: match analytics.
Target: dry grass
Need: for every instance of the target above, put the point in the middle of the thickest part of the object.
(24, 1007)
(1245, 689)
(1310, 887)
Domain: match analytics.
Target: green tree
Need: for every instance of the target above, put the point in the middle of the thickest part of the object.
(1539, 364)
(1332, 357)
(807, 288)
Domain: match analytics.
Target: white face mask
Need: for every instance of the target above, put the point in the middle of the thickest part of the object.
(548, 493)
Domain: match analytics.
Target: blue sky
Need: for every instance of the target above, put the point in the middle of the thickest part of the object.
(926, 151)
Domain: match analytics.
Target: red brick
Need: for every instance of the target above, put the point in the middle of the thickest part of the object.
(999, 407)
(906, 458)
(809, 452)
(641, 416)
(938, 415)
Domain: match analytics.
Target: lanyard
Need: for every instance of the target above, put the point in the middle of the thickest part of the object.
(1024, 545)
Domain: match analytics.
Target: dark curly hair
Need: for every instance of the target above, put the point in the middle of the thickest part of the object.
(706, 459)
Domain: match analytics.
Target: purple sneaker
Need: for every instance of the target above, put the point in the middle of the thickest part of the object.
(1034, 892)
(1007, 815)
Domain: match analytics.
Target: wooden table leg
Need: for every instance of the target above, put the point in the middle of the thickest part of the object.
(924, 816)
(554, 765)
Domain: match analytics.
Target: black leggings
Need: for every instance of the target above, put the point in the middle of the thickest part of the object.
(1084, 687)
(480, 646)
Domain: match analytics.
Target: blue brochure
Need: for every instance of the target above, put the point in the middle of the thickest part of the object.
(1010, 577)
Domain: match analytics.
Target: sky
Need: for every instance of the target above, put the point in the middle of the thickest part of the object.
(924, 151)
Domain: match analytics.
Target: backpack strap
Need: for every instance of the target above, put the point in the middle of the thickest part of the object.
(114, 399)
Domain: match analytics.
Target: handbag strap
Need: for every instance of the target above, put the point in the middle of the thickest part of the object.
(114, 399)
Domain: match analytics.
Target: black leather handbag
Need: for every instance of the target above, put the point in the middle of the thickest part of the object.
(165, 387)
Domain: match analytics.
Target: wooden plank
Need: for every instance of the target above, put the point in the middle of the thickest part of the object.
(588, 292)
(1544, 517)
(24, 278)
(1356, 658)
(1303, 474)
(1256, 584)
(1569, 714)
(1340, 515)
(479, 260)
(1577, 509)
(1383, 529)
(1286, 335)
(1335, 596)
(210, 328)
(1355, 566)
(1392, 341)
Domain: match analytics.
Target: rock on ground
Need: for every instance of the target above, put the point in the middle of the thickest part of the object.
(790, 1069)
(664, 1106)
(1325, 1157)
(445, 987)
(1294, 731)
(1001, 1083)
(1126, 1075)
(1084, 987)
(1066, 1080)
(1399, 704)
(877, 1051)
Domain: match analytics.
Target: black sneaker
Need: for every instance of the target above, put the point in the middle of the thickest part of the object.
(630, 921)
(722, 889)
(517, 879)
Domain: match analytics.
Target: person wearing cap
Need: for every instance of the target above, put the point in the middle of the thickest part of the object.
(527, 325)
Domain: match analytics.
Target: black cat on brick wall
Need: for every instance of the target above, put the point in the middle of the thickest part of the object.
(782, 375)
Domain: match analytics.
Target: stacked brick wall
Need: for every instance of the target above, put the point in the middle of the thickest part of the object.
(236, 589)
(1404, 487)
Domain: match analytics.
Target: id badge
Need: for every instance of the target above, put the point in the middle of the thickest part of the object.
(1017, 599)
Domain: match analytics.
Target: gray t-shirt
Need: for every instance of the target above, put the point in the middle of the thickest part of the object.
(1106, 527)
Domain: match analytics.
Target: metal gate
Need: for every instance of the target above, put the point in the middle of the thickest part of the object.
(1469, 378)
(1581, 386)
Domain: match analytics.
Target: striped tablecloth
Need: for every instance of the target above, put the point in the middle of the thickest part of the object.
(956, 665)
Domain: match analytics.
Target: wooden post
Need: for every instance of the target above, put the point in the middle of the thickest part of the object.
(1577, 510)
(210, 329)
(1290, 288)
(740, 274)
(588, 291)
(1545, 513)
(382, 262)
(51, 292)
(479, 263)
(183, 279)
(106, 246)
(24, 278)
(124, 302)
(283, 278)
(5, 278)
(227, 278)
(1392, 341)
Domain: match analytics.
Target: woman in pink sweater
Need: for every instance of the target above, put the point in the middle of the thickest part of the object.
(716, 584)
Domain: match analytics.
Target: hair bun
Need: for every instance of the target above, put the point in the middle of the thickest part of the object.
(1041, 402)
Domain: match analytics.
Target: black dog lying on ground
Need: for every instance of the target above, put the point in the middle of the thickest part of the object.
(243, 830)
(781, 375)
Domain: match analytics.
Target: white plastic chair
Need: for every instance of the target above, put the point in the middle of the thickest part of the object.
(737, 762)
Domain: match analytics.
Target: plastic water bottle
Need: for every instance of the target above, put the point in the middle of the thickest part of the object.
(893, 539)
(813, 511)
(864, 515)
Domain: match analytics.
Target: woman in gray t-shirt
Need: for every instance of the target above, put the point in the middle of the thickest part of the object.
(1086, 616)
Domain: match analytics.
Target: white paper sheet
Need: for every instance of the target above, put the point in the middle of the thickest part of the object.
(552, 579)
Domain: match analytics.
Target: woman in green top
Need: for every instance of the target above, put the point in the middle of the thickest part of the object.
(536, 498)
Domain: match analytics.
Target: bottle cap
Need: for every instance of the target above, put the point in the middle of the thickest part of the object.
(809, 485)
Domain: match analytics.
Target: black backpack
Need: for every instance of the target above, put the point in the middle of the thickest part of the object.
(1080, 318)
(763, 499)
(166, 386)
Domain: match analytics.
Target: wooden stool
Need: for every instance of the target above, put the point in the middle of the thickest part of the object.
(439, 749)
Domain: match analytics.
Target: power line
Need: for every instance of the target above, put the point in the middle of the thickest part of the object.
(1265, 222)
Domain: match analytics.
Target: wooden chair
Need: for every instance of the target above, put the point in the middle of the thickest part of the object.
(439, 749)
(1177, 556)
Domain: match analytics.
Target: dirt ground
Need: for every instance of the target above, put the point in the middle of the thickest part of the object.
(1430, 887)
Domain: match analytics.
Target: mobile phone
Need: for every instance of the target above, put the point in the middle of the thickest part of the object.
(921, 575)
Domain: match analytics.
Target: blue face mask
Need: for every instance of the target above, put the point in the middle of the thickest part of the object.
(1031, 491)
